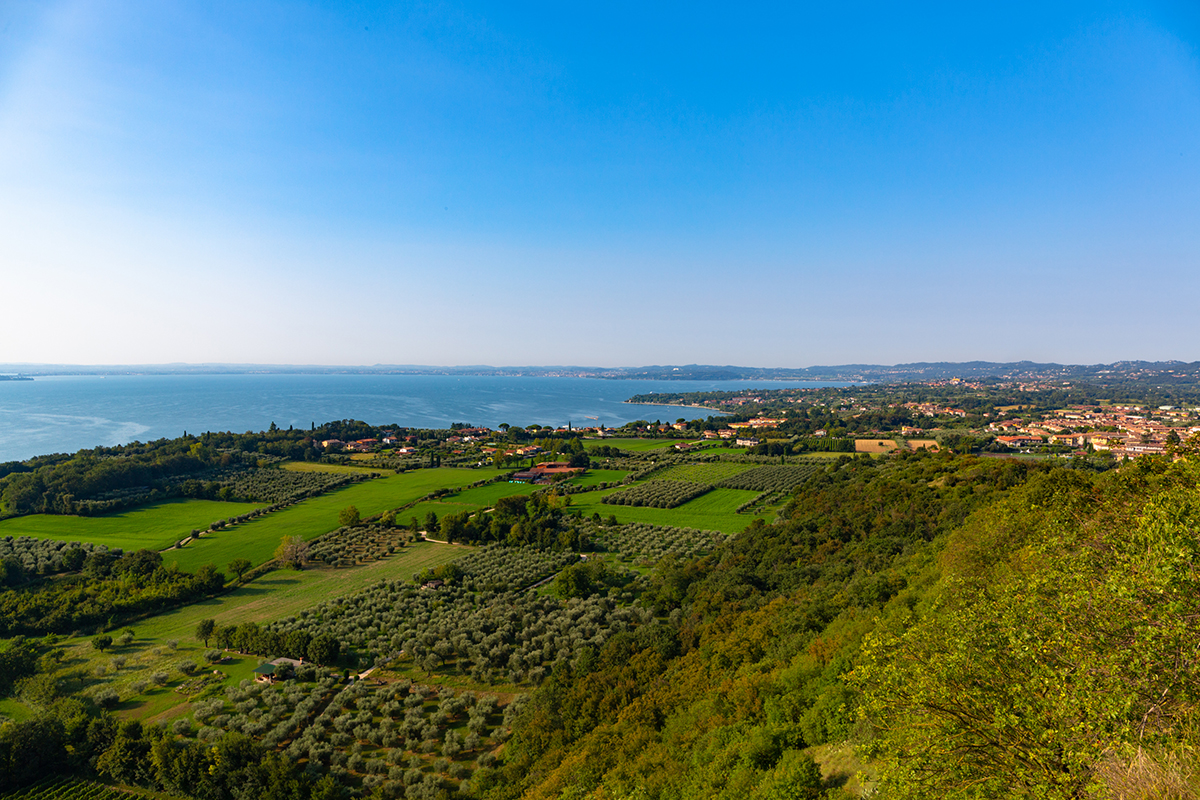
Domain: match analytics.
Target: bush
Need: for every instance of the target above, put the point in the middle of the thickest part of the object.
(186, 667)
(139, 686)
(160, 678)
(106, 697)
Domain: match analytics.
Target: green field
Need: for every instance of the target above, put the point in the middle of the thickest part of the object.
(282, 593)
(152, 527)
(715, 510)
(712, 472)
(258, 538)
(596, 476)
(467, 500)
(486, 496)
(637, 445)
(344, 469)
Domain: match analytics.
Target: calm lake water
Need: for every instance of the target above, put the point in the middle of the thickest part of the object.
(65, 414)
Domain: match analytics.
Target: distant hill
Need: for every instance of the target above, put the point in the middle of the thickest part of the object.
(1160, 371)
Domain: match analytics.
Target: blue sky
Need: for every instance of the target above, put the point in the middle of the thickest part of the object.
(604, 184)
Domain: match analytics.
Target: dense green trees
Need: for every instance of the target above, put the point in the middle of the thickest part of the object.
(1073, 648)
(110, 588)
(748, 667)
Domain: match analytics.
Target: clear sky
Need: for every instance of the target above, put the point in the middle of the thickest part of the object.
(598, 183)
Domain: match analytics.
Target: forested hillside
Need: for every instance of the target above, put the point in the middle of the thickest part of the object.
(981, 628)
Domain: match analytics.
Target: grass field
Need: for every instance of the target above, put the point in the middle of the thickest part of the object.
(468, 500)
(284, 592)
(715, 510)
(258, 538)
(637, 445)
(151, 527)
(14, 709)
(344, 469)
(713, 472)
(595, 476)
(486, 496)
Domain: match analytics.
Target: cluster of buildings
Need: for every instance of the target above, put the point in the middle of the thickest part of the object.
(934, 410)
(1121, 430)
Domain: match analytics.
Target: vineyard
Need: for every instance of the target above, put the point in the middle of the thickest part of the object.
(69, 789)
(776, 478)
(513, 637)
(713, 472)
(384, 734)
(658, 494)
(281, 486)
(643, 543)
(495, 568)
(351, 546)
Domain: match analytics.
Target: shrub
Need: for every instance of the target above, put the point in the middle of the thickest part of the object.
(160, 678)
(186, 667)
(106, 697)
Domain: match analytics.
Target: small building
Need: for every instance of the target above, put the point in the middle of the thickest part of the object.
(1020, 441)
(266, 673)
(747, 442)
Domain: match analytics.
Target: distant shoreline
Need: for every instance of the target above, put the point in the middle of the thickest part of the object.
(676, 405)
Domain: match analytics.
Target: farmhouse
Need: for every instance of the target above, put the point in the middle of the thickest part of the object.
(545, 473)
(265, 673)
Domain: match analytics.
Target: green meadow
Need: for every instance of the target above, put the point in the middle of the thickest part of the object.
(467, 500)
(151, 527)
(258, 538)
(343, 469)
(715, 510)
(639, 445)
(597, 476)
(283, 592)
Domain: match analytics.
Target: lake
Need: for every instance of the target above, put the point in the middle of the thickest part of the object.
(65, 414)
